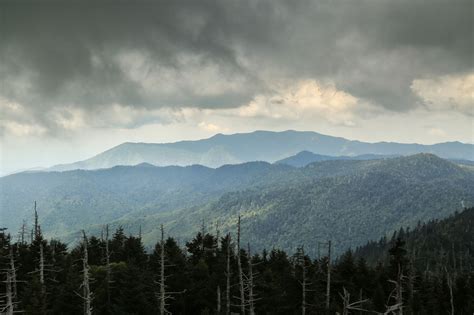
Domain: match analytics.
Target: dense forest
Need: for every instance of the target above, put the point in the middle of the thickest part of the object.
(432, 245)
(217, 274)
(279, 204)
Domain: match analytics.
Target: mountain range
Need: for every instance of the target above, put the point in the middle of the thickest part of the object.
(257, 146)
(347, 200)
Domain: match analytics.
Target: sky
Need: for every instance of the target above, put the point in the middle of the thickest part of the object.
(78, 77)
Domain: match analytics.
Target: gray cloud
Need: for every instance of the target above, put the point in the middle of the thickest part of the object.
(71, 53)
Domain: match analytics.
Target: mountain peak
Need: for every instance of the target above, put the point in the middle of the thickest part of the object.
(425, 157)
(260, 145)
(424, 166)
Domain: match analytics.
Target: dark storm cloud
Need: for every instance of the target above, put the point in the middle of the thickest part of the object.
(55, 53)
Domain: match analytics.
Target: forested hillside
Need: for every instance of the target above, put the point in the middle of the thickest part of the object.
(304, 158)
(75, 199)
(215, 273)
(351, 207)
(432, 245)
(350, 201)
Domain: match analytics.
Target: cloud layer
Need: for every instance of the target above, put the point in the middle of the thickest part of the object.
(449, 93)
(66, 64)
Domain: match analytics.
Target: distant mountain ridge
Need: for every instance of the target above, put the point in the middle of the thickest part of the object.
(256, 146)
(349, 201)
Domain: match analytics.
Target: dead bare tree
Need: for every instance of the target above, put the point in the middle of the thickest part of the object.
(399, 290)
(303, 285)
(251, 296)
(348, 306)
(9, 306)
(41, 267)
(164, 295)
(86, 291)
(449, 281)
(396, 295)
(43, 270)
(37, 228)
(241, 273)
(228, 274)
(36, 220)
(107, 265)
(219, 302)
(304, 280)
(328, 281)
(13, 272)
(22, 233)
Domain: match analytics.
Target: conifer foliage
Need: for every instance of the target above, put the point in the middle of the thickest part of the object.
(213, 274)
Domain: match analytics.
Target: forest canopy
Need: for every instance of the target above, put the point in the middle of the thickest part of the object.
(215, 274)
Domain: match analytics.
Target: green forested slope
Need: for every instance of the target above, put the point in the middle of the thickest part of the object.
(349, 209)
(432, 245)
(349, 202)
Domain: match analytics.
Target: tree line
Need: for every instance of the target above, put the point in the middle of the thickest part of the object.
(217, 274)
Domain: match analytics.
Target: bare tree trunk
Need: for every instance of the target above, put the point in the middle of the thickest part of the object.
(399, 291)
(13, 272)
(42, 276)
(241, 274)
(251, 294)
(303, 299)
(22, 232)
(397, 295)
(107, 265)
(9, 295)
(216, 252)
(328, 284)
(41, 265)
(163, 295)
(449, 280)
(227, 291)
(347, 306)
(36, 222)
(87, 295)
(37, 227)
(346, 301)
